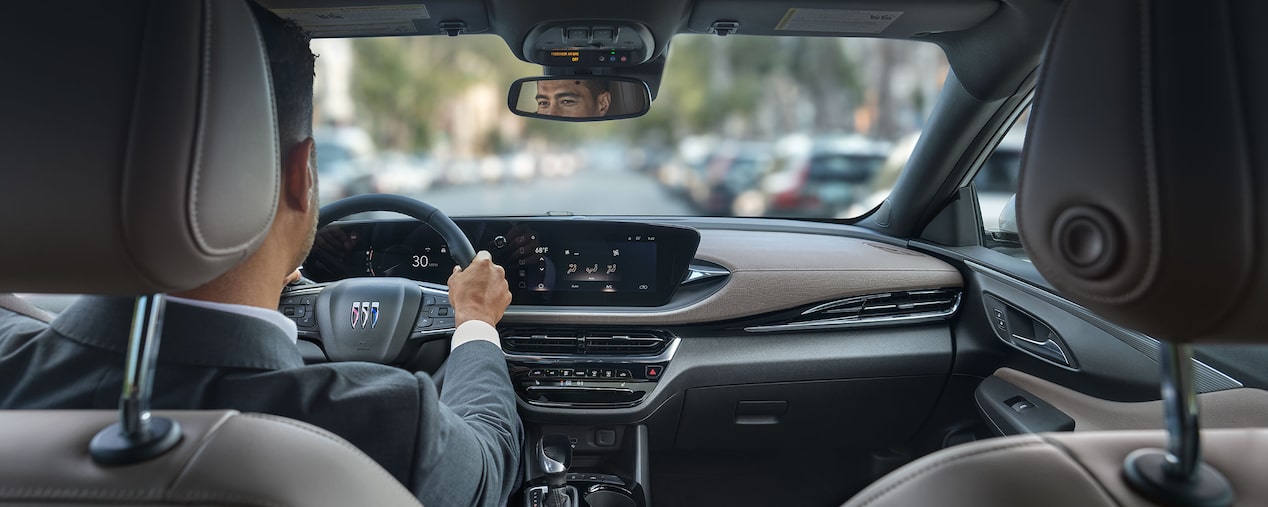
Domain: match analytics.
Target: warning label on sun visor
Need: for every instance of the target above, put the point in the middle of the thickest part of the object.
(363, 20)
(837, 20)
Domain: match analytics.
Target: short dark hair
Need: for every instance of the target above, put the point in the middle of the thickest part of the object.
(291, 63)
(595, 85)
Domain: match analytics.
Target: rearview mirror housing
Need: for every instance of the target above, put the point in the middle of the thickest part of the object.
(579, 98)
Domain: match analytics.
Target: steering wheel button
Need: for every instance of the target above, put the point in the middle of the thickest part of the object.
(288, 311)
(442, 311)
(429, 301)
(422, 322)
(443, 323)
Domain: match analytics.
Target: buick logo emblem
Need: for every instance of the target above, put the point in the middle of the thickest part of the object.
(365, 314)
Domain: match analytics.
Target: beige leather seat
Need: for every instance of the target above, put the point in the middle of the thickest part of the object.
(226, 458)
(140, 157)
(1144, 197)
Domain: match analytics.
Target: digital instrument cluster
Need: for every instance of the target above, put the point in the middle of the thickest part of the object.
(547, 261)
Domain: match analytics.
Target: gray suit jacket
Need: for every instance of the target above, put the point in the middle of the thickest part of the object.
(456, 446)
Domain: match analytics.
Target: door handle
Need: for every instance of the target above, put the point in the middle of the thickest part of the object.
(1026, 333)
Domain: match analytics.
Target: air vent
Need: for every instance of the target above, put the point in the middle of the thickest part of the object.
(598, 343)
(906, 307)
(625, 344)
(541, 343)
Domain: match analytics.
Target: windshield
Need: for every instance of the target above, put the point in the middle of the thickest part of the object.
(740, 126)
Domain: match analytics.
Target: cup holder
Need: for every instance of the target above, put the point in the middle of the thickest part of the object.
(605, 497)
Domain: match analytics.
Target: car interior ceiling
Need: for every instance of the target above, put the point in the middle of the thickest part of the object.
(770, 398)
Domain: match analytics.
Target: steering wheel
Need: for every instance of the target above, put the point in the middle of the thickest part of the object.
(375, 319)
(459, 246)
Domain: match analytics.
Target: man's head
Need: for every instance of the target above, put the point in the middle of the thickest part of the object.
(574, 98)
(291, 65)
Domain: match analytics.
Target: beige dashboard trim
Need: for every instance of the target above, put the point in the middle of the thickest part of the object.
(1231, 408)
(773, 271)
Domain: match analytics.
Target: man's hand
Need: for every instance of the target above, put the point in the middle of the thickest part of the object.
(479, 292)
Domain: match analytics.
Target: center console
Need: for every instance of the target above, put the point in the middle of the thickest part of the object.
(587, 369)
(601, 368)
(564, 471)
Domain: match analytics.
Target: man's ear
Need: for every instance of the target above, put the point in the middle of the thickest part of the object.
(298, 177)
(605, 100)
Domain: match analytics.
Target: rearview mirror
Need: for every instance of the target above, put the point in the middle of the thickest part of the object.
(579, 98)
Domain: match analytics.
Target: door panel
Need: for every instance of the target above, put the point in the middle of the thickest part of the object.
(1113, 379)
(1230, 408)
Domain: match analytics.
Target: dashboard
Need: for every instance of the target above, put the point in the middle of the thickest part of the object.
(691, 334)
(548, 262)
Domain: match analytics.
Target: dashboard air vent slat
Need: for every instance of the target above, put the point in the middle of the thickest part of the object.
(583, 343)
(899, 307)
(624, 344)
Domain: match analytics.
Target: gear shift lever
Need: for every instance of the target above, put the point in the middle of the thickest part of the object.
(554, 452)
(554, 455)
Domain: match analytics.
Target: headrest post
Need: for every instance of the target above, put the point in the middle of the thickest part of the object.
(138, 436)
(1177, 477)
(138, 379)
(1180, 408)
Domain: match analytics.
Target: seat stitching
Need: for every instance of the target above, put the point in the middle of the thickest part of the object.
(151, 495)
(34, 491)
(204, 100)
(201, 132)
(914, 474)
(204, 495)
(1149, 147)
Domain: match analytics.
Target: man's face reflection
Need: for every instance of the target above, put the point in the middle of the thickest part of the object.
(574, 98)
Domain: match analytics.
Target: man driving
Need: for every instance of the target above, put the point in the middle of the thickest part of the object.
(573, 98)
(225, 346)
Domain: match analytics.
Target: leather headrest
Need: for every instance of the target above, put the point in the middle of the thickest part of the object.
(140, 148)
(1144, 188)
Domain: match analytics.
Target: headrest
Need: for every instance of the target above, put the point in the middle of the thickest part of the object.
(1144, 185)
(139, 149)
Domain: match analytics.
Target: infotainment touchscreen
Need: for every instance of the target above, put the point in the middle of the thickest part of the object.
(547, 261)
(587, 266)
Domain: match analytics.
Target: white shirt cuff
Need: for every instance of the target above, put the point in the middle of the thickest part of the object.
(473, 330)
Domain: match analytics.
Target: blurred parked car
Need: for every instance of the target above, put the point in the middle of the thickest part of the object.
(522, 166)
(692, 154)
(822, 177)
(402, 173)
(345, 156)
(733, 170)
(885, 180)
(491, 169)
